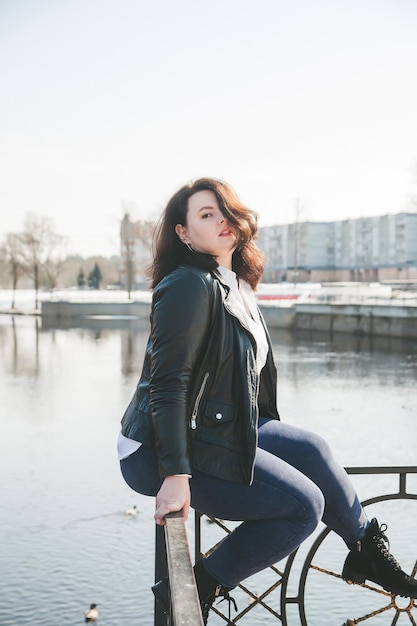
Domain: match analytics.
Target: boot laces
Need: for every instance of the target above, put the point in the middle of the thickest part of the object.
(208, 602)
(381, 539)
(229, 599)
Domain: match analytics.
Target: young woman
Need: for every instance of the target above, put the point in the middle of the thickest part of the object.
(202, 427)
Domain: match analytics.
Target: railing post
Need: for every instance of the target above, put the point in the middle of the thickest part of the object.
(197, 536)
(161, 570)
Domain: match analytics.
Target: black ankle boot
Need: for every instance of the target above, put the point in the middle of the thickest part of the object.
(208, 591)
(162, 594)
(370, 559)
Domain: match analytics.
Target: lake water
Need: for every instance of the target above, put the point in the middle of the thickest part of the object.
(65, 539)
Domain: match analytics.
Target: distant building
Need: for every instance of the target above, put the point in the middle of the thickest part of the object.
(135, 252)
(363, 249)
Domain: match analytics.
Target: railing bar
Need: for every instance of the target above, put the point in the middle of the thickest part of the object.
(390, 469)
(259, 601)
(184, 598)
(251, 606)
(403, 483)
(292, 600)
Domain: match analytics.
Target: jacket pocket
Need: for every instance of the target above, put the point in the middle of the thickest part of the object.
(218, 412)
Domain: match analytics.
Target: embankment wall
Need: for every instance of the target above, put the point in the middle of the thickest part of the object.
(360, 319)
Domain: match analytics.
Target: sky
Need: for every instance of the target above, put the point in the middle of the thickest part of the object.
(112, 105)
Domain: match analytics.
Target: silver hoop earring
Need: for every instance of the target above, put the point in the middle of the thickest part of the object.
(191, 249)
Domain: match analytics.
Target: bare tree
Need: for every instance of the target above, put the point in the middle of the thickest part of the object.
(12, 249)
(51, 271)
(144, 233)
(127, 244)
(40, 246)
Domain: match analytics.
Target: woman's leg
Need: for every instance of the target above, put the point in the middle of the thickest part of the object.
(279, 510)
(310, 454)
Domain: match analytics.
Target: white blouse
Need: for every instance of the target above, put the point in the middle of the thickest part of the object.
(245, 297)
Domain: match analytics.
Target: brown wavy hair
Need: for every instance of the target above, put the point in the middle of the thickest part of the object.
(169, 252)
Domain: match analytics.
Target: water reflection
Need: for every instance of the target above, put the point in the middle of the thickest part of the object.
(20, 346)
(20, 343)
(63, 392)
(345, 342)
(133, 343)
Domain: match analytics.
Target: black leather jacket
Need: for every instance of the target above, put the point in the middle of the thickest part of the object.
(199, 395)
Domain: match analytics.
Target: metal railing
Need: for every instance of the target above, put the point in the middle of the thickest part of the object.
(393, 301)
(173, 560)
(291, 609)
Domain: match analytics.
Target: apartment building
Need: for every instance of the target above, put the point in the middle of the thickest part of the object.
(363, 249)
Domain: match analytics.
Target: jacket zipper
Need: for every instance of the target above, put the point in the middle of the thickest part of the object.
(197, 402)
(252, 470)
(252, 473)
(246, 326)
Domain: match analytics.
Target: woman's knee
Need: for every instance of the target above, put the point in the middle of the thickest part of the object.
(315, 450)
(297, 446)
(314, 505)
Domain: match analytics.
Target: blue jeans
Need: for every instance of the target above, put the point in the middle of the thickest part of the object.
(297, 483)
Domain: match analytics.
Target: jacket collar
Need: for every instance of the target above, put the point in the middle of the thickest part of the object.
(231, 304)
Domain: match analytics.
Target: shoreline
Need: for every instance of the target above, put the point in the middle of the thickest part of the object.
(355, 310)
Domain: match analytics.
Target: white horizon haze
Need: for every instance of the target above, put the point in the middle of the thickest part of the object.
(107, 105)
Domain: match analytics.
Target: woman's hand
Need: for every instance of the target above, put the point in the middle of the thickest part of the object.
(174, 495)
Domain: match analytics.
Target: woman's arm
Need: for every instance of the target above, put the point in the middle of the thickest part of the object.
(181, 316)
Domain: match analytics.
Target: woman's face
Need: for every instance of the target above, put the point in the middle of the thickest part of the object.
(207, 229)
